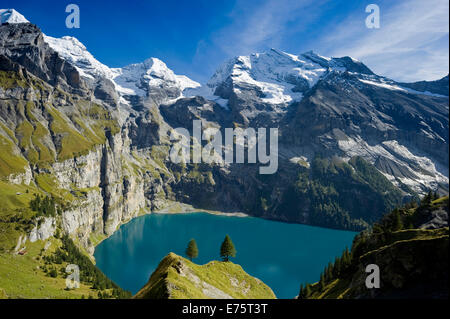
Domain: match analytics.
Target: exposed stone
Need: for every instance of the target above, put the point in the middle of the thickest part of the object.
(45, 229)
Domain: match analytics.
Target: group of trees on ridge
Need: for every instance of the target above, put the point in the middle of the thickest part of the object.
(227, 249)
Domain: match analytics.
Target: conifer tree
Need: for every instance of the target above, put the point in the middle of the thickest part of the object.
(377, 229)
(301, 294)
(192, 249)
(397, 222)
(227, 249)
(307, 290)
(325, 273)
(337, 267)
(329, 273)
(427, 199)
(347, 257)
(322, 282)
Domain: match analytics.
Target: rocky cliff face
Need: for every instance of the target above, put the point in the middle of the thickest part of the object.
(437, 87)
(112, 194)
(24, 44)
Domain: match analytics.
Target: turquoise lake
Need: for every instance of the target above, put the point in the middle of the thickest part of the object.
(280, 254)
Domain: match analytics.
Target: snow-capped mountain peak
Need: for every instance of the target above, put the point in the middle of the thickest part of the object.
(11, 16)
(280, 77)
(277, 77)
(133, 79)
(283, 68)
(139, 78)
(73, 51)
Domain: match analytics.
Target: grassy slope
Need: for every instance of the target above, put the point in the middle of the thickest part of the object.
(340, 287)
(15, 214)
(22, 277)
(9, 162)
(175, 278)
(417, 244)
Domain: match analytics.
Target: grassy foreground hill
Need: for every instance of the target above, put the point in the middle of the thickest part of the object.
(410, 247)
(40, 273)
(178, 278)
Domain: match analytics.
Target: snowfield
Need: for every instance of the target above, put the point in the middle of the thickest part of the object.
(11, 16)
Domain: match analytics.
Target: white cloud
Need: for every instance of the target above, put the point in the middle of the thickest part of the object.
(255, 27)
(411, 45)
(264, 25)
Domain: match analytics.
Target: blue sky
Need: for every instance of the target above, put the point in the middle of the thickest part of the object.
(194, 37)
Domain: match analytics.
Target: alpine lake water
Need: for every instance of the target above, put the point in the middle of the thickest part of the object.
(282, 255)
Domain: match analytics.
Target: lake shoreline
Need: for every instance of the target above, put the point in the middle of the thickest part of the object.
(182, 208)
(172, 209)
(170, 229)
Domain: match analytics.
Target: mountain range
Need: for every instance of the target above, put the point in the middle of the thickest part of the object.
(352, 144)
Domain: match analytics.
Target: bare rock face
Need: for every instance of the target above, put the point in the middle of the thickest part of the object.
(438, 219)
(183, 112)
(104, 90)
(21, 178)
(113, 195)
(438, 86)
(24, 43)
(44, 230)
(347, 115)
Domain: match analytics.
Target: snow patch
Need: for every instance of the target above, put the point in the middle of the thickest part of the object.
(280, 76)
(300, 160)
(137, 79)
(391, 86)
(73, 51)
(208, 93)
(11, 16)
(428, 175)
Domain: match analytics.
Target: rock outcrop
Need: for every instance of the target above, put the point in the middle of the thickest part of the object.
(45, 229)
(24, 44)
(178, 278)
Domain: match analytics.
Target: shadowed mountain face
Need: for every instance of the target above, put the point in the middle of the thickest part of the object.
(350, 114)
(352, 144)
(410, 248)
(24, 44)
(437, 87)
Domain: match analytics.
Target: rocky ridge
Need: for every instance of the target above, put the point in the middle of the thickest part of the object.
(410, 247)
(178, 278)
